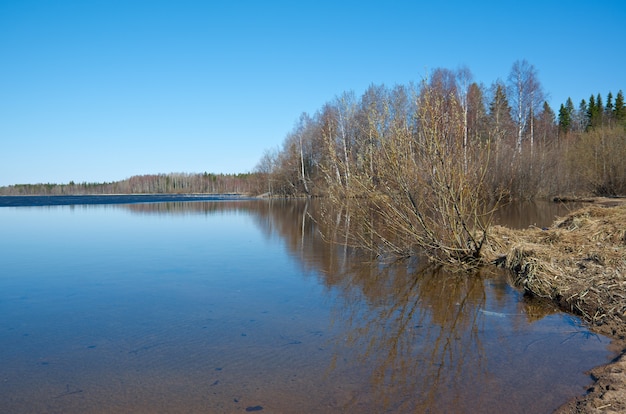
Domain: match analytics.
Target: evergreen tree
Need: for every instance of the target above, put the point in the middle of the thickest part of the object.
(569, 105)
(570, 114)
(592, 113)
(477, 113)
(599, 112)
(608, 109)
(547, 112)
(500, 119)
(591, 107)
(565, 119)
(619, 111)
(546, 123)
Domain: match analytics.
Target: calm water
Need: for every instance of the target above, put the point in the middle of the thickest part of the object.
(239, 306)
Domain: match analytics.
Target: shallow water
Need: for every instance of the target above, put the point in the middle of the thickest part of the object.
(533, 213)
(236, 306)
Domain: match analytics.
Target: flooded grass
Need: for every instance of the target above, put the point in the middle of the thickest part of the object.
(579, 262)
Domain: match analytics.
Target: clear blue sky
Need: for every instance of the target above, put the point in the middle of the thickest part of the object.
(99, 90)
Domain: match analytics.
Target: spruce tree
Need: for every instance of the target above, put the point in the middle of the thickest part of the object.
(591, 107)
(569, 105)
(619, 111)
(546, 123)
(608, 109)
(592, 113)
(565, 119)
(500, 113)
(599, 112)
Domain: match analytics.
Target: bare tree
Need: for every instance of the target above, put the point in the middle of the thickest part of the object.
(425, 195)
(463, 82)
(374, 125)
(346, 109)
(328, 131)
(526, 97)
(301, 130)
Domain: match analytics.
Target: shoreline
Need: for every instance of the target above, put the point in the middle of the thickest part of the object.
(578, 263)
(87, 199)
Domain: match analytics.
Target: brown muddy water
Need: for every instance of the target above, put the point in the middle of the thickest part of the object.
(240, 306)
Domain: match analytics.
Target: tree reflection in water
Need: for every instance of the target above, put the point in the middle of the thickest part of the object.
(428, 340)
(446, 342)
(419, 332)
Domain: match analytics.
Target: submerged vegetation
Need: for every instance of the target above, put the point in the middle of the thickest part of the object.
(579, 262)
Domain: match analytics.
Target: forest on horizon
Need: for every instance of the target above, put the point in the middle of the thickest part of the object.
(528, 149)
(172, 183)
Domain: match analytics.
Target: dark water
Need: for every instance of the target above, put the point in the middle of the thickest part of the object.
(533, 213)
(240, 306)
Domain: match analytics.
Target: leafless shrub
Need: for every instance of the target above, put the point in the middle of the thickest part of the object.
(428, 188)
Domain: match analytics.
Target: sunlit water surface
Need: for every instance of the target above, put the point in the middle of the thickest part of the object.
(240, 306)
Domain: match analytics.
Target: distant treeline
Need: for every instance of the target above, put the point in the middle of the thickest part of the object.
(175, 183)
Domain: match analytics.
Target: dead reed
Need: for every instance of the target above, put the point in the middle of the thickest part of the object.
(579, 262)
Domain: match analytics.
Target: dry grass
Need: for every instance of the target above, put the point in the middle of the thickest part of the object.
(579, 262)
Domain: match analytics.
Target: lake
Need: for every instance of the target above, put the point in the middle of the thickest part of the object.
(226, 305)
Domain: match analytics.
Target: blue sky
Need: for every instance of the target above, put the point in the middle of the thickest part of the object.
(98, 91)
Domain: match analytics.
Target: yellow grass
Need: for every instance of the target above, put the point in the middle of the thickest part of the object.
(579, 262)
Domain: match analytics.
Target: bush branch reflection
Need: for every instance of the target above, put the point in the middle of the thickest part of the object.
(425, 338)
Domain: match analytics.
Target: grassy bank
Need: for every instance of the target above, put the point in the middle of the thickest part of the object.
(579, 263)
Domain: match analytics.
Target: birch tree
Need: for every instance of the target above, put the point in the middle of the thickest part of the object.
(346, 109)
(526, 97)
(301, 130)
(463, 82)
(373, 122)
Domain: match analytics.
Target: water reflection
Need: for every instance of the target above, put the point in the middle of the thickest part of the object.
(533, 213)
(448, 343)
(433, 341)
(223, 306)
